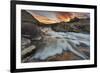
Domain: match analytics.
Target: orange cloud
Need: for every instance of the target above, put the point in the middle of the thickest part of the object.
(49, 19)
(44, 19)
(65, 16)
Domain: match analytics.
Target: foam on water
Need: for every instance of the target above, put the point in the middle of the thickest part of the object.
(57, 42)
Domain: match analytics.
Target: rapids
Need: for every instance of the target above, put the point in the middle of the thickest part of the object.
(58, 42)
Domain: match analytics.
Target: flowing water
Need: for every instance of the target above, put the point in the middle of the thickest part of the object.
(58, 42)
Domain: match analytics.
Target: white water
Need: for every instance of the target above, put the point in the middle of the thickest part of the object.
(57, 42)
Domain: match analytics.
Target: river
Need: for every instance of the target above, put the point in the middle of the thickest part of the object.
(58, 42)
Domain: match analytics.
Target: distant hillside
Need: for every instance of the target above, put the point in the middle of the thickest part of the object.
(79, 25)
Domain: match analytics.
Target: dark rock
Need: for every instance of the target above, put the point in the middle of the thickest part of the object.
(76, 25)
(27, 17)
(29, 27)
(25, 42)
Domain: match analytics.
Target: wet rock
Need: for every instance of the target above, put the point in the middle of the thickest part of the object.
(28, 49)
(25, 42)
(64, 56)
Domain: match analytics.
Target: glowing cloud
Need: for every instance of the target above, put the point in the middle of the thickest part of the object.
(55, 17)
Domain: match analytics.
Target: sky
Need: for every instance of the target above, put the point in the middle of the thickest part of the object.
(49, 17)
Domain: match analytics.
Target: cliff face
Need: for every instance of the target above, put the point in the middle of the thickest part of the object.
(29, 27)
(29, 31)
(27, 17)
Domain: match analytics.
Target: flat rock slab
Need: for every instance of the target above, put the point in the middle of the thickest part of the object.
(28, 49)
